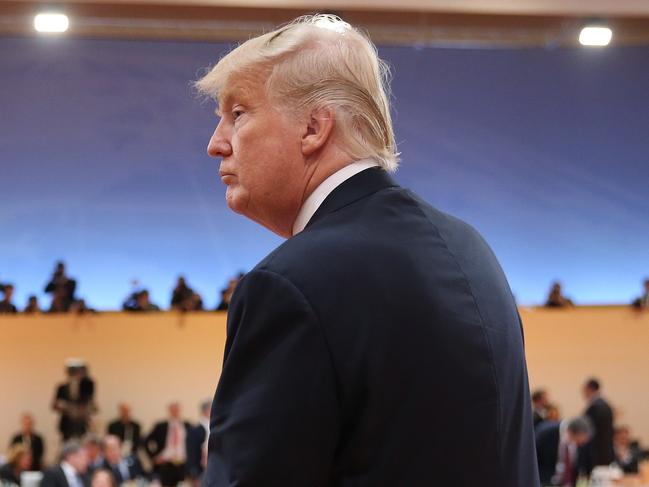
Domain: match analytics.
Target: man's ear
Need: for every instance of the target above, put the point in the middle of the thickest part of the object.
(319, 127)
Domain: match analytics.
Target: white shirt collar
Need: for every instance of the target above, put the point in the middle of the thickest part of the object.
(325, 188)
(70, 474)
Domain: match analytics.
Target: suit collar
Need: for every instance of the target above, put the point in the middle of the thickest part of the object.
(358, 186)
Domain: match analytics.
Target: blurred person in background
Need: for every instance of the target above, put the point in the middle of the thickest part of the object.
(556, 299)
(62, 289)
(599, 412)
(643, 301)
(31, 439)
(184, 298)
(139, 301)
(71, 470)
(19, 460)
(103, 478)
(227, 292)
(6, 306)
(123, 468)
(32, 305)
(552, 413)
(627, 452)
(74, 400)
(94, 451)
(167, 446)
(197, 444)
(126, 429)
(540, 404)
(558, 449)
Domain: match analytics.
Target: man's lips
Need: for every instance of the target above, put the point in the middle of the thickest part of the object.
(227, 177)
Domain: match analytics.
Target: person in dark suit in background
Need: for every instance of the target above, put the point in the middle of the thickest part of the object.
(31, 439)
(74, 400)
(126, 429)
(72, 469)
(557, 448)
(197, 445)
(167, 446)
(62, 289)
(123, 468)
(380, 345)
(540, 403)
(600, 414)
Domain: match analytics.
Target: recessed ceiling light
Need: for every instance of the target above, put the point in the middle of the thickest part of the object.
(51, 22)
(592, 35)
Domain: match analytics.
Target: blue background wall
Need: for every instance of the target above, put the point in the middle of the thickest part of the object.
(103, 164)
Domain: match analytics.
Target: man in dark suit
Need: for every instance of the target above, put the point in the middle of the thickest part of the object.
(380, 345)
(167, 446)
(32, 440)
(197, 445)
(71, 471)
(125, 428)
(124, 468)
(601, 416)
(557, 450)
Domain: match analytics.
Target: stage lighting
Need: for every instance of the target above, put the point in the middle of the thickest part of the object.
(595, 35)
(51, 22)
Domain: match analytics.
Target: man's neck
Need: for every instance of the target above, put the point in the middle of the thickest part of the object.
(319, 194)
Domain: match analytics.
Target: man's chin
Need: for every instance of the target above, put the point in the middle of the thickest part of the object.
(234, 200)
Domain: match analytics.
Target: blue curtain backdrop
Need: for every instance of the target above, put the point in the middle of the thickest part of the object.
(103, 165)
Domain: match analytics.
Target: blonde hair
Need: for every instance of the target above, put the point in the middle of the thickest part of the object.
(317, 62)
(16, 451)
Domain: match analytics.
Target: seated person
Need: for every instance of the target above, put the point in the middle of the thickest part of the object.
(627, 453)
(103, 478)
(32, 305)
(72, 469)
(19, 460)
(6, 306)
(32, 440)
(139, 301)
(123, 469)
(126, 429)
(556, 299)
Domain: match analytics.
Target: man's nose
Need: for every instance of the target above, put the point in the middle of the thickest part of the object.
(219, 145)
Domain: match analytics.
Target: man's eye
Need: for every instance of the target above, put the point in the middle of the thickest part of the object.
(237, 113)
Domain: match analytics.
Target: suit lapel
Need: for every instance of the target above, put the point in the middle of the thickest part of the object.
(358, 186)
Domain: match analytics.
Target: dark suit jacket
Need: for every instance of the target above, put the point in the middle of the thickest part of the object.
(36, 446)
(601, 446)
(118, 428)
(380, 347)
(55, 477)
(547, 449)
(195, 450)
(132, 464)
(69, 426)
(156, 440)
